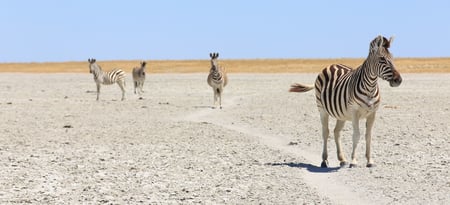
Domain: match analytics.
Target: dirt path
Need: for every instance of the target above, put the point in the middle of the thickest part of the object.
(322, 180)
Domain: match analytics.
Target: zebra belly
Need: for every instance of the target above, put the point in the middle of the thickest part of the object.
(215, 83)
(347, 115)
(107, 82)
(339, 106)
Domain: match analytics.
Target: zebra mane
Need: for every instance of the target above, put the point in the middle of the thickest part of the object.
(381, 46)
(98, 66)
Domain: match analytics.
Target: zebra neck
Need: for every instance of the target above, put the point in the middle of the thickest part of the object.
(216, 75)
(367, 81)
(97, 73)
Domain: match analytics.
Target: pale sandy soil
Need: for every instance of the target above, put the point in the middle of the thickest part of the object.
(60, 146)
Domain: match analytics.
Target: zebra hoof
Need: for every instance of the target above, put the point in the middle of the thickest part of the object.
(324, 164)
(353, 165)
(343, 164)
(370, 165)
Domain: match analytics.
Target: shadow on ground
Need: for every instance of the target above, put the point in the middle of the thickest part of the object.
(309, 167)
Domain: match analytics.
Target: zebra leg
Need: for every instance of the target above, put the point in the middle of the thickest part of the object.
(215, 98)
(220, 97)
(142, 87)
(337, 138)
(356, 136)
(135, 86)
(138, 87)
(325, 134)
(369, 125)
(98, 90)
(122, 87)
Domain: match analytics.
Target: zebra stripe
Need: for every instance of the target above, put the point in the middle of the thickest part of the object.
(351, 94)
(139, 78)
(107, 78)
(217, 79)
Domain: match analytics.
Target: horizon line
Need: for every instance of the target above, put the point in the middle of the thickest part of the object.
(117, 60)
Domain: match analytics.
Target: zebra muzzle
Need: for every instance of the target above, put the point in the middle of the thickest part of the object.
(396, 81)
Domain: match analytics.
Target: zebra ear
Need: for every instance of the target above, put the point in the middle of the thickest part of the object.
(376, 44)
(211, 55)
(391, 39)
(217, 55)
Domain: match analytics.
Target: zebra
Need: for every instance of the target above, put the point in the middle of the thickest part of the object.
(349, 94)
(217, 79)
(139, 78)
(107, 78)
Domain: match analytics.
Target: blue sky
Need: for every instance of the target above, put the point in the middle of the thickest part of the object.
(54, 30)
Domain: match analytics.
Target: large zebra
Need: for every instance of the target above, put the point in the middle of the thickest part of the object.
(139, 78)
(217, 79)
(107, 78)
(352, 94)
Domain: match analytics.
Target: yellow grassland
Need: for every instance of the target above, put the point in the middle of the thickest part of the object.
(404, 65)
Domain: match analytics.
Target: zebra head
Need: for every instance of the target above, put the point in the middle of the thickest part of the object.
(214, 56)
(143, 63)
(384, 64)
(92, 65)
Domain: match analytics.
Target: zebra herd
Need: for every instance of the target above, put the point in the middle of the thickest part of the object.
(117, 76)
(217, 78)
(342, 92)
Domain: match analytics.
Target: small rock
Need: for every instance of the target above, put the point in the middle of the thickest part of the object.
(293, 143)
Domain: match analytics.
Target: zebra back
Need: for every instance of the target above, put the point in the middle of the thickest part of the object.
(100, 76)
(113, 76)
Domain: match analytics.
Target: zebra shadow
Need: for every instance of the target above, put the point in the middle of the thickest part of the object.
(309, 167)
(202, 106)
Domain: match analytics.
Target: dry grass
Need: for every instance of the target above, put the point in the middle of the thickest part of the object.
(404, 65)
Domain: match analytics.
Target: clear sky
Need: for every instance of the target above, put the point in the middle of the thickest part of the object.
(58, 30)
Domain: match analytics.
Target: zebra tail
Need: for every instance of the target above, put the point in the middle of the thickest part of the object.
(300, 88)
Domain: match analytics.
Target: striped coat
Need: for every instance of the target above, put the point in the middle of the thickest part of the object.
(139, 78)
(217, 79)
(348, 94)
(107, 78)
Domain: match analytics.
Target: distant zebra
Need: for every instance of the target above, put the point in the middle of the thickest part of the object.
(217, 79)
(351, 94)
(139, 78)
(107, 78)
